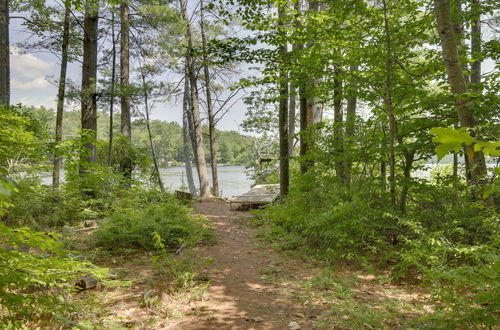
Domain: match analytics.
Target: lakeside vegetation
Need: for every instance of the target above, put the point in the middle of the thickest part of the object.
(346, 101)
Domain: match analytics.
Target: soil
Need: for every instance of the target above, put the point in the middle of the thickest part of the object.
(239, 296)
(248, 286)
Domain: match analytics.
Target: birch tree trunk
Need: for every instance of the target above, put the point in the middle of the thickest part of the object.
(56, 171)
(456, 79)
(212, 134)
(89, 75)
(4, 53)
(186, 139)
(195, 107)
(126, 123)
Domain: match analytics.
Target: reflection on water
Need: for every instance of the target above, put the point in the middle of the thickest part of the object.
(232, 179)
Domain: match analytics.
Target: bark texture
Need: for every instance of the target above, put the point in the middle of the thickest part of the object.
(186, 139)
(89, 75)
(456, 79)
(113, 88)
(56, 171)
(195, 107)
(4, 53)
(389, 107)
(283, 114)
(212, 133)
(350, 123)
(126, 124)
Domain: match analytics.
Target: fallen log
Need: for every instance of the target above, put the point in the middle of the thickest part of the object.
(86, 283)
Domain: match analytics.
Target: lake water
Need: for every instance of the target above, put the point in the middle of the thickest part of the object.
(232, 179)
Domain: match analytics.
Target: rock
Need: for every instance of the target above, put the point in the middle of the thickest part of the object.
(294, 326)
(254, 319)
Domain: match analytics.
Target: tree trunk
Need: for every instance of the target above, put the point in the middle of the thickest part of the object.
(56, 171)
(291, 119)
(186, 139)
(383, 162)
(211, 116)
(475, 45)
(195, 107)
(112, 96)
(126, 123)
(456, 79)
(390, 108)
(150, 135)
(305, 163)
(338, 123)
(283, 112)
(4, 53)
(409, 156)
(192, 135)
(350, 125)
(89, 75)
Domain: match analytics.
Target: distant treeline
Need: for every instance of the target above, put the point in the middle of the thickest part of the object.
(233, 148)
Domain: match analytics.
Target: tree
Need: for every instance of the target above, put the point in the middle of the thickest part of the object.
(89, 75)
(210, 108)
(112, 89)
(4, 53)
(283, 107)
(195, 108)
(456, 79)
(126, 127)
(186, 139)
(61, 94)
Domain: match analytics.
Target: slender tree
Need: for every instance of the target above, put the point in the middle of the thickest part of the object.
(195, 107)
(186, 139)
(126, 122)
(389, 104)
(4, 53)
(350, 122)
(475, 45)
(456, 79)
(212, 133)
(89, 75)
(56, 171)
(145, 90)
(283, 109)
(113, 87)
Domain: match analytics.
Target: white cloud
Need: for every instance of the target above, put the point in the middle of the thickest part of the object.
(28, 65)
(48, 102)
(37, 83)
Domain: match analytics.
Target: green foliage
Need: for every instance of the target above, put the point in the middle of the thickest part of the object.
(450, 139)
(144, 222)
(36, 274)
(444, 238)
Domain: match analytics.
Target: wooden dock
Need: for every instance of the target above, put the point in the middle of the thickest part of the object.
(258, 195)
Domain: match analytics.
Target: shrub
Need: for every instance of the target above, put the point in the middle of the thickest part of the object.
(35, 276)
(134, 227)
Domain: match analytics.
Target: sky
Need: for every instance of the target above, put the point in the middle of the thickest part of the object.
(34, 78)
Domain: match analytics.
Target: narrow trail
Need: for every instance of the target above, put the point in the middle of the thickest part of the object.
(239, 296)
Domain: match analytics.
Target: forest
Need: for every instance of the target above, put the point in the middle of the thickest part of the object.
(379, 121)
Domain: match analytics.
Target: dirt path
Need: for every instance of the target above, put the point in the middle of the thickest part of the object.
(250, 286)
(239, 296)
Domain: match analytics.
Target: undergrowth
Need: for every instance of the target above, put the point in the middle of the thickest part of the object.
(444, 241)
